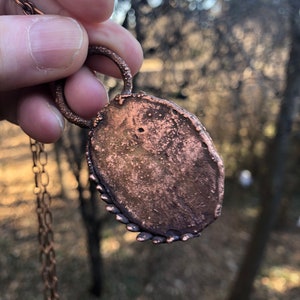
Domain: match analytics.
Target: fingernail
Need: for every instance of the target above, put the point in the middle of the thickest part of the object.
(57, 116)
(55, 41)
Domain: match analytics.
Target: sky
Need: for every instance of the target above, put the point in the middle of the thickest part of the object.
(124, 6)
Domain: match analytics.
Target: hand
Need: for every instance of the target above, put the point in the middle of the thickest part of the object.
(39, 49)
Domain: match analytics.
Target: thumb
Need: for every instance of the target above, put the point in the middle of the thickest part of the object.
(39, 49)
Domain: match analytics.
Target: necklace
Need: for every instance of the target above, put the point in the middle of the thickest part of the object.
(153, 163)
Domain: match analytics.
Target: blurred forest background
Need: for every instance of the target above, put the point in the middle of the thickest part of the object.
(236, 65)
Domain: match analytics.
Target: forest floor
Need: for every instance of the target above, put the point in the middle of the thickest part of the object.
(203, 268)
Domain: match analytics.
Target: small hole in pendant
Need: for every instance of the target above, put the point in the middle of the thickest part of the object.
(140, 129)
(204, 145)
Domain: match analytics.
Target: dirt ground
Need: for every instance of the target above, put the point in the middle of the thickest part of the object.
(203, 268)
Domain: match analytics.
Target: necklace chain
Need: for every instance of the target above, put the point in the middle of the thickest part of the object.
(45, 232)
(29, 8)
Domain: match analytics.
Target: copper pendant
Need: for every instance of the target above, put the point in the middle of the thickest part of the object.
(153, 162)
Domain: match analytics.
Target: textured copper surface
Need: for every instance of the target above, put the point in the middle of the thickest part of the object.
(156, 167)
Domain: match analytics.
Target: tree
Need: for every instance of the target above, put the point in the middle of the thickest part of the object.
(272, 178)
(73, 146)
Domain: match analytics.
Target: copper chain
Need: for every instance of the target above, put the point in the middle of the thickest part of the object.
(43, 198)
(28, 7)
(45, 232)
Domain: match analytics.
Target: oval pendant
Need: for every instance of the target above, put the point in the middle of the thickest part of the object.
(154, 164)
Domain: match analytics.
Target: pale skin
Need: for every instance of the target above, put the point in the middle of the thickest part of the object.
(37, 50)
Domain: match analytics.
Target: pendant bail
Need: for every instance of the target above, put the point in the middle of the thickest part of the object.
(59, 86)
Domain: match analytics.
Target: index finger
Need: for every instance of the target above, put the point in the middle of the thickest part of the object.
(89, 11)
(115, 37)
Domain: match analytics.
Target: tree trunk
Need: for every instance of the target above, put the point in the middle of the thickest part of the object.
(75, 149)
(272, 182)
(89, 211)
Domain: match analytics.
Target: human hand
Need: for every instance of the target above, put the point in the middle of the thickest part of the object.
(39, 49)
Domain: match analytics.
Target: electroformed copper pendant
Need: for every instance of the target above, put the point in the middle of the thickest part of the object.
(153, 162)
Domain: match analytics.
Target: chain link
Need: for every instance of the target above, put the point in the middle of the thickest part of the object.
(28, 7)
(45, 232)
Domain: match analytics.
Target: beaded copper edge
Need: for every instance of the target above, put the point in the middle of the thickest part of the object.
(142, 235)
